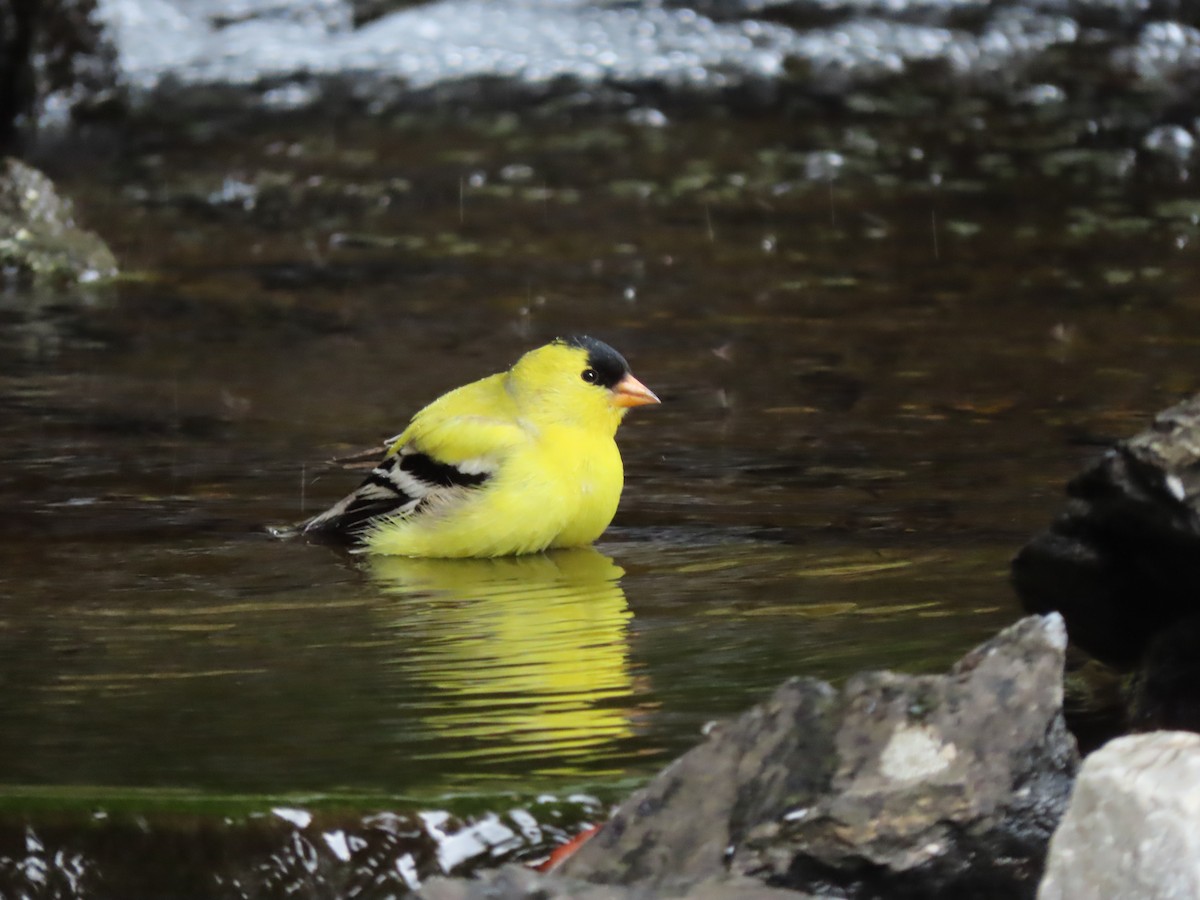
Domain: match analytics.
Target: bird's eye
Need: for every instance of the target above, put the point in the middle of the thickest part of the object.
(591, 376)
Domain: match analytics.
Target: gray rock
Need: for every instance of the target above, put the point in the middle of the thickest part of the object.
(39, 240)
(679, 828)
(1122, 562)
(1130, 831)
(931, 786)
(945, 787)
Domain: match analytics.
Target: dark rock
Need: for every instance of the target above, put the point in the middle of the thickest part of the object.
(1165, 691)
(898, 786)
(39, 240)
(1122, 562)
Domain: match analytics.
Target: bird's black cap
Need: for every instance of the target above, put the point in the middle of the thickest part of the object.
(608, 363)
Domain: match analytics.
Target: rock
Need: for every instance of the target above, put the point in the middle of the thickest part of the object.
(39, 240)
(1165, 690)
(945, 787)
(931, 786)
(679, 827)
(1122, 562)
(1130, 830)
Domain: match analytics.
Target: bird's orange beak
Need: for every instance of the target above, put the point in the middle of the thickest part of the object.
(631, 392)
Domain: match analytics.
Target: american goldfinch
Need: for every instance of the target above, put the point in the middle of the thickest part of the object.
(514, 463)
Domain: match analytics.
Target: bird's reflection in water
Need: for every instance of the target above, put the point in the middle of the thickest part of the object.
(527, 657)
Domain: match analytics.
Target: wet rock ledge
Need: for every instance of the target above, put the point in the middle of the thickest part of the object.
(894, 786)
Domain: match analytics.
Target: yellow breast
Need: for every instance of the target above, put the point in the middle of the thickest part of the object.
(592, 485)
(561, 489)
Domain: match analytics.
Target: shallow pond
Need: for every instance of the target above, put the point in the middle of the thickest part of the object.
(882, 345)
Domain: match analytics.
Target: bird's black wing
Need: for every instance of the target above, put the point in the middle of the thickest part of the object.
(399, 486)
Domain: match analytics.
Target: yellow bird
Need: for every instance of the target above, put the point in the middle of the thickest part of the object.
(518, 462)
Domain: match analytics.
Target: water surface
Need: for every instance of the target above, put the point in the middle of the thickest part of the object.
(882, 345)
